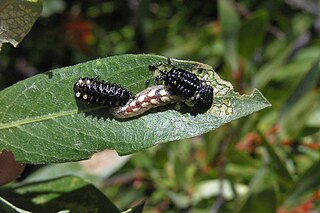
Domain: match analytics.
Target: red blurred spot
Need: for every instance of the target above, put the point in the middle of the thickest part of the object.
(79, 31)
(249, 143)
(272, 133)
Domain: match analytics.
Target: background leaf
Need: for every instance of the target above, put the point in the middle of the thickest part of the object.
(7, 207)
(230, 24)
(306, 184)
(41, 121)
(305, 85)
(99, 167)
(16, 19)
(64, 193)
(261, 186)
(251, 33)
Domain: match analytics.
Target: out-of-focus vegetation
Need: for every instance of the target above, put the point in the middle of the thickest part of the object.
(267, 162)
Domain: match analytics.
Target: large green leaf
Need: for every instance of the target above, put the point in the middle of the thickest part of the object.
(41, 121)
(17, 18)
(64, 193)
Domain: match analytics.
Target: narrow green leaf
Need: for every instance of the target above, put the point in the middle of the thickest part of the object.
(262, 188)
(302, 110)
(230, 23)
(256, 202)
(41, 122)
(305, 85)
(251, 33)
(307, 183)
(313, 119)
(279, 167)
(267, 72)
(16, 19)
(65, 193)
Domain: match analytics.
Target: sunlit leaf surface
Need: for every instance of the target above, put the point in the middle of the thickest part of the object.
(42, 122)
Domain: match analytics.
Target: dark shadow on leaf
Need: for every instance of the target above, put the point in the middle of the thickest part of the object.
(94, 110)
(103, 112)
(194, 111)
(49, 74)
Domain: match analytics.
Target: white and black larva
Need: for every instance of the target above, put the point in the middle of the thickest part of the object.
(147, 99)
(95, 91)
(187, 85)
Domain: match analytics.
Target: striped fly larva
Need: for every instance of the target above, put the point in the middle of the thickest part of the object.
(147, 99)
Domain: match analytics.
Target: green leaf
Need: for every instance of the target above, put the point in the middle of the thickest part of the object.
(262, 188)
(310, 79)
(7, 207)
(65, 193)
(256, 202)
(251, 33)
(268, 70)
(41, 122)
(307, 183)
(279, 167)
(16, 19)
(230, 23)
(302, 110)
(137, 208)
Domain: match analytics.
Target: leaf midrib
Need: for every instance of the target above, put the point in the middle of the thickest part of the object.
(50, 116)
(41, 118)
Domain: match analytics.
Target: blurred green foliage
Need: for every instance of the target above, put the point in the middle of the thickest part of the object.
(268, 162)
